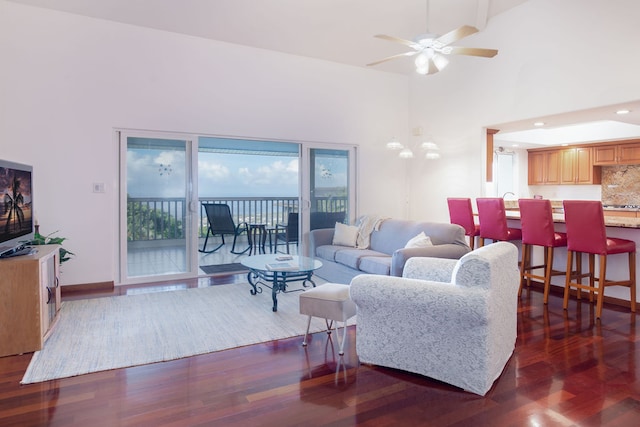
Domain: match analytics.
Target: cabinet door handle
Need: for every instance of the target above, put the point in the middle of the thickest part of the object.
(48, 295)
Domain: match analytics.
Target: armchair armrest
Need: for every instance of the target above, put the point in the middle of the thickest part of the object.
(435, 269)
(387, 297)
(448, 250)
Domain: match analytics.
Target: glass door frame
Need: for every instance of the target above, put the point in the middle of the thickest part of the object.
(305, 186)
(191, 204)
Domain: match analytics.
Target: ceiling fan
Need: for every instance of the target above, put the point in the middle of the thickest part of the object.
(430, 49)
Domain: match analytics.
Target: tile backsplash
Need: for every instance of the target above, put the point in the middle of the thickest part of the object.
(621, 185)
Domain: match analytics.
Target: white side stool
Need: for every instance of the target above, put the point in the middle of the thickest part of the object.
(330, 301)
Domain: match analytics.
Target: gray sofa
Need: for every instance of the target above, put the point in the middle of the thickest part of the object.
(386, 254)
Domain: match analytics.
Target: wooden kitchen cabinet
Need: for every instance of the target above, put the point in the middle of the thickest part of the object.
(544, 167)
(29, 300)
(563, 166)
(627, 153)
(576, 166)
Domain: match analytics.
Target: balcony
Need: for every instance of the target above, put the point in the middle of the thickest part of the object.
(156, 228)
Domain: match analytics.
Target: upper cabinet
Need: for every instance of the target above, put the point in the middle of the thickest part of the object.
(563, 166)
(544, 167)
(627, 153)
(576, 166)
(580, 164)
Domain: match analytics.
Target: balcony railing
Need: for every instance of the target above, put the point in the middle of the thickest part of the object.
(164, 218)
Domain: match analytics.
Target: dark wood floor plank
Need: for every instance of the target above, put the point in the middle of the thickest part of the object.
(567, 369)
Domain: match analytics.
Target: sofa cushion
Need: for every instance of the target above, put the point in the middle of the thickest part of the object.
(351, 257)
(420, 241)
(376, 265)
(345, 235)
(395, 233)
(328, 252)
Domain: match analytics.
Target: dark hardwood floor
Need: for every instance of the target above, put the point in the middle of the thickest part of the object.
(567, 370)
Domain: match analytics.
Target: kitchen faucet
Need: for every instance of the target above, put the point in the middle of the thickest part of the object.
(508, 192)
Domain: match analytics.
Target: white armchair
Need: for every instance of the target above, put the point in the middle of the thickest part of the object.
(451, 320)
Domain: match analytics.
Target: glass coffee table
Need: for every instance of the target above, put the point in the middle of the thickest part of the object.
(276, 273)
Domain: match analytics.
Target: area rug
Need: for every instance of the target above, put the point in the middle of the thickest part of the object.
(116, 332)
(235, 267)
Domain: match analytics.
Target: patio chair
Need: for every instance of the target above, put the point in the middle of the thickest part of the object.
(221, 222)
(288, 233)
(325, 219)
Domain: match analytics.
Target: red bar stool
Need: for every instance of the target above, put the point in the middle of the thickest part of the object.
(536, 219)
(493, 221)
(586, 233)
(461, 213)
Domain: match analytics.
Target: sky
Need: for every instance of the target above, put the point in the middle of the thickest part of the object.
(161, 173)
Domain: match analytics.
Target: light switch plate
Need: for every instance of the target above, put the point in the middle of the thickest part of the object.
(98, 187)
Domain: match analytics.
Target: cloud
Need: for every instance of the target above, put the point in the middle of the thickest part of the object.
(218, 175)
(215, 171)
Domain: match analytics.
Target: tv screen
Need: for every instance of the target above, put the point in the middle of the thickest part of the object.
(16, 209)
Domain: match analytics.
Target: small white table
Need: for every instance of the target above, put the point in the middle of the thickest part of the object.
(267, 270)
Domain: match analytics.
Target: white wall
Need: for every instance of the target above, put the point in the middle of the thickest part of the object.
(554, 56)
(67, 81)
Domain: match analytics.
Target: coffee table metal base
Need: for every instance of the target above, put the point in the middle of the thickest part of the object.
(277, 281)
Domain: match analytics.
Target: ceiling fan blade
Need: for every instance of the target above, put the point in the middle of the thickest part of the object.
(389, 58)
(396, 40)
(472, 51)
(457, 34)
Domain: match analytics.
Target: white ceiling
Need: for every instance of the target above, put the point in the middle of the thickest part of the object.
(342, 31)
(333, 30)
(585, 126)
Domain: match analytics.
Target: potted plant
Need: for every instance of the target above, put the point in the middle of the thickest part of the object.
(49, 239)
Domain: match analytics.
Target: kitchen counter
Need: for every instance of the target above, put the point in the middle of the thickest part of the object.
(609, 221)
(614, 216)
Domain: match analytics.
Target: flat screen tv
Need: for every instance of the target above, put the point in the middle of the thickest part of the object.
(16, 207)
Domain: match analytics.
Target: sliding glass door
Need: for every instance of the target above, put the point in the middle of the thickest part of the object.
(328, 188)
(177, 189)
(155, 209)
(259, 183)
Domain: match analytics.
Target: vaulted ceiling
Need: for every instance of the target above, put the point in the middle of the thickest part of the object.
(333, 30)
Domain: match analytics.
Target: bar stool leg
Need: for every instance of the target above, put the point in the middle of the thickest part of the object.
(592, 273)
(579, 271)
(548, 253)
(601, 283)
(567, 282)
(523, 268)
(632, 278)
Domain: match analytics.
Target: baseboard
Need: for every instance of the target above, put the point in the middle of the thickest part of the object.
(88, 287)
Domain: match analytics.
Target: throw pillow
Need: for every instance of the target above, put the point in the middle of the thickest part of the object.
(345, 235)
(420, 241)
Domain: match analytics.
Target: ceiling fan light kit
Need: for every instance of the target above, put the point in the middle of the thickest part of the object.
(430, 148)
(394, 144)
(430, 49)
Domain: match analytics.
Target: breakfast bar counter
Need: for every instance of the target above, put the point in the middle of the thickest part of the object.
(609, 221)
(620, 227)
